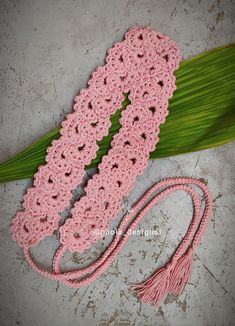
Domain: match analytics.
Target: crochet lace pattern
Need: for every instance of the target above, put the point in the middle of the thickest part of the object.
(141, 65)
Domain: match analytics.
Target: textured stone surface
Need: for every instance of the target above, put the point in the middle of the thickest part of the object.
(47, 50)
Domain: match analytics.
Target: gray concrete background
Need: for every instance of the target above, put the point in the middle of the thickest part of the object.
(47, 51)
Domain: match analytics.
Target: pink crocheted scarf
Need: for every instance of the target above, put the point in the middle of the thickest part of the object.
(141, 65)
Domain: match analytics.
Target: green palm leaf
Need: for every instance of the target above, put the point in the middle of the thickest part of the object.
(202, 115)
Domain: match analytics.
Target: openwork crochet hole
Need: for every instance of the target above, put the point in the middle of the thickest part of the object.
(136, 119)
(80, 148)
(121, 58)
(140, 37)
(119, 183)
(94, 124)
(160, 83)
(43, 219)
(26, 229)
(90, 106)
(76, 235)
(166, 57)
(152, 109)
(126, 143)
(143, 136)
(145, 93)
(133, 160)
(115, 166)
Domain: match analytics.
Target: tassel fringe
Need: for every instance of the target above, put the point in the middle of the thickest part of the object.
(181, 273)
(154, 289)
(166, 280)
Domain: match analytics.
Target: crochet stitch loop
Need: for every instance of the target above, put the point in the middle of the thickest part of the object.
(141, 65)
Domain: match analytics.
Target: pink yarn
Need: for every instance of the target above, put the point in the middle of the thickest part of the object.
(142, 65)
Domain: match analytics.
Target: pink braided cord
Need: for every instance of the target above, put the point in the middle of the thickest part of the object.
(141, 65)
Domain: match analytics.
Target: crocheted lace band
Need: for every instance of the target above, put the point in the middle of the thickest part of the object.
(141, 65)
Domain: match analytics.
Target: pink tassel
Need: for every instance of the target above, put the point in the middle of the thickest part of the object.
(154, 289)
(180, 273)
(168, 279)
